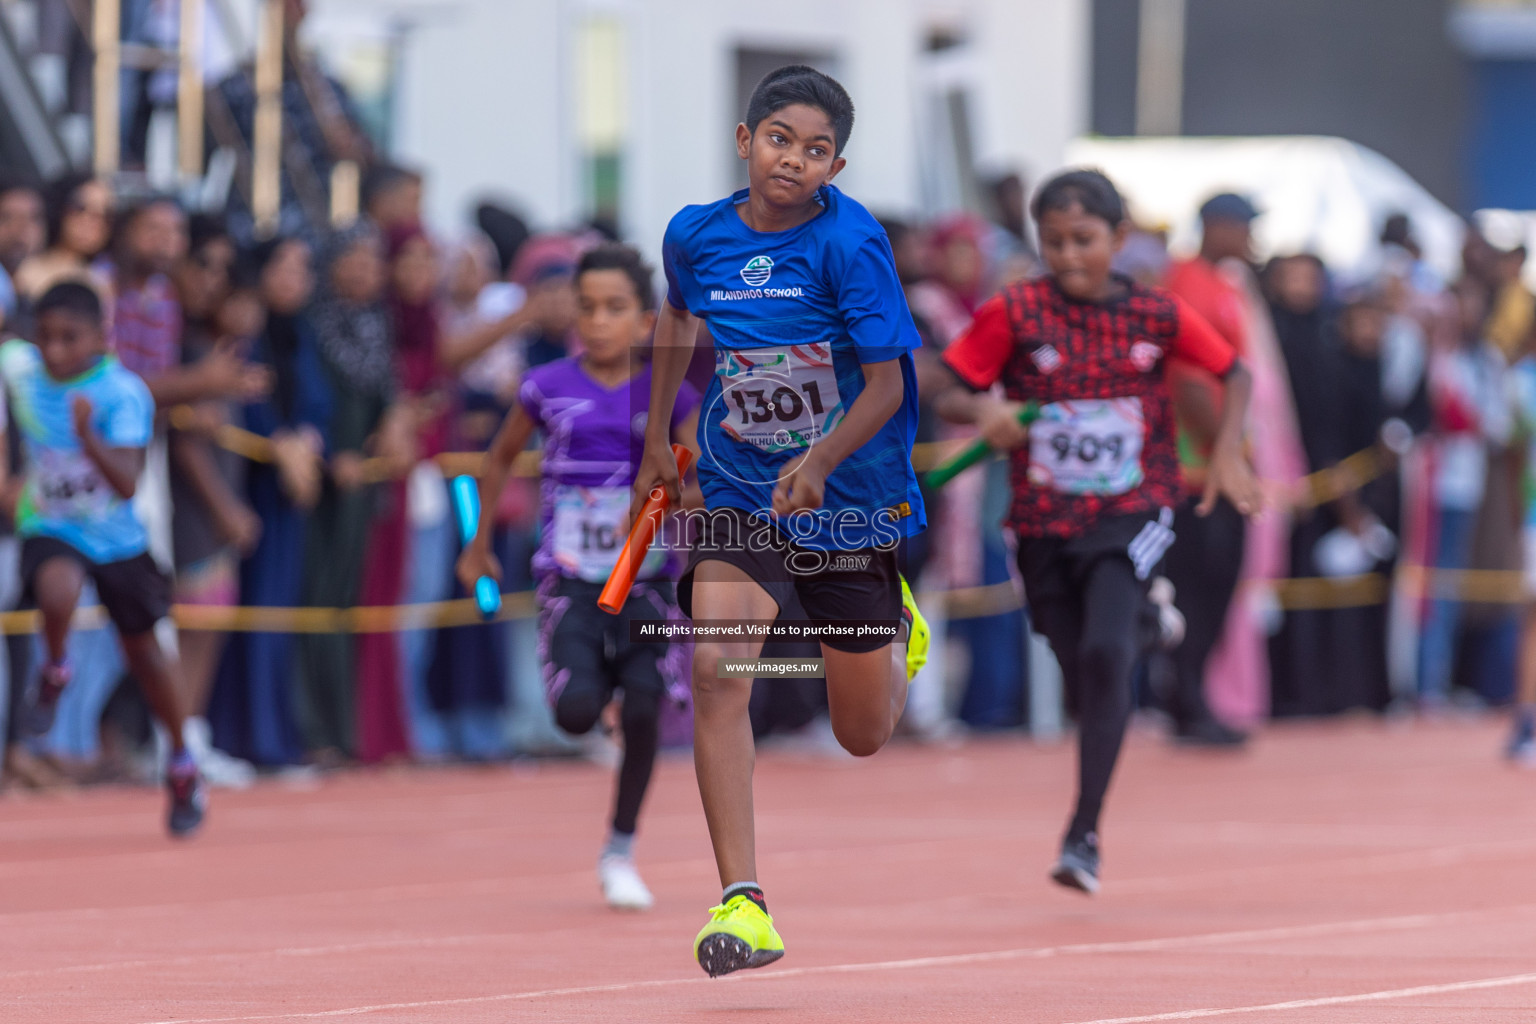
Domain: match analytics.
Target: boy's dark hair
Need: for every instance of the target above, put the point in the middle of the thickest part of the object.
(382, 177)
(1089, 189)
(615, 256)
(203, 228)
(797, 83)
(16, 183)
(70, 297)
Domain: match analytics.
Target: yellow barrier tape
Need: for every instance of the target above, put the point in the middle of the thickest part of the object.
(1312, 593)
(1481, 586)
(1350, 474)
(1316, 489)
(364, 619)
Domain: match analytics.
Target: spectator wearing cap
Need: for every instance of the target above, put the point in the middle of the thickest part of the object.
(1205, 567)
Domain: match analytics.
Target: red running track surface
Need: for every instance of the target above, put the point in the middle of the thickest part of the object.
(1349, 872)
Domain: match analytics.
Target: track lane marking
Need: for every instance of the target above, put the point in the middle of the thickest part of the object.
(1399, 923)
(1427, 857)
(1507, 981)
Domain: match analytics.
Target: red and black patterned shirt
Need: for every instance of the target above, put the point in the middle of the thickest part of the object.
(1069, 356)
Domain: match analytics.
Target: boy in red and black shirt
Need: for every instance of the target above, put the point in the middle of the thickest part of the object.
(1096, 477)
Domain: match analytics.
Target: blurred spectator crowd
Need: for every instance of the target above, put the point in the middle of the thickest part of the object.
(361, 352)
(357, 354)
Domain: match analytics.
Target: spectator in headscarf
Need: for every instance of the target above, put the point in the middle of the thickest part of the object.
(252, 710)
(1349, 645)
(356, 342)
(1300, 307)
(957, 281)
(411, 534)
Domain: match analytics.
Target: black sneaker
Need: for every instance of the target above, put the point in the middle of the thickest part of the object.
(1208, 732)
(1078, 867)
(189, 800)
(42, 708)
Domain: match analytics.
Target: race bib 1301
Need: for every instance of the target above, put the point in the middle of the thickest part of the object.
(781, 398)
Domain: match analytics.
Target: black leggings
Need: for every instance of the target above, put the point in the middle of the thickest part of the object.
(1086, 599)
(588, 654)
(577, 710)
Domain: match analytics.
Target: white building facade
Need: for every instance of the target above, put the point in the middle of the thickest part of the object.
(569, 108)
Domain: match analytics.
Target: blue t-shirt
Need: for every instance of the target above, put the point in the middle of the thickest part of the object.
(793, 315)
(66, 496)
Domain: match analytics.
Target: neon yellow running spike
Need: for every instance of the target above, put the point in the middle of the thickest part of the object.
(739, 934)
(917, 642)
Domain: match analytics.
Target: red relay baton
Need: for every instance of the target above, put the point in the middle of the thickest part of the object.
(632, 555)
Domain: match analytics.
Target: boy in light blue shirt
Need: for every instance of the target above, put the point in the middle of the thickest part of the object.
(85, 422)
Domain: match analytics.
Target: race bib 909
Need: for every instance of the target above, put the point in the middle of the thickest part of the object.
(1091, 446)
(781, 398)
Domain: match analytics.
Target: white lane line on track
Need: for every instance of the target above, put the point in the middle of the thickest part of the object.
(1507, 981)
(951, 960)
(1440, 856)
(438, 941)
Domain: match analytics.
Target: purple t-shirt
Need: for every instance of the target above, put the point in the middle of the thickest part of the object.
(593, 441)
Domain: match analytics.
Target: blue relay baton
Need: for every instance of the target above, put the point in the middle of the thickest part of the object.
(466, 502)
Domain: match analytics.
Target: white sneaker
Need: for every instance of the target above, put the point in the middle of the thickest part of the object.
(219, 769)
(224, 771)
(622, 887)
(600, 748)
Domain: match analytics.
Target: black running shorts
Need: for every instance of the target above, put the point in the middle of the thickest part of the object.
(135, 592)
(863, 585)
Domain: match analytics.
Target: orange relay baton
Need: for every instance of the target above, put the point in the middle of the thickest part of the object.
(632, 555)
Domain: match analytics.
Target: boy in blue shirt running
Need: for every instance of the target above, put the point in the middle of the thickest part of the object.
(805, 435)
(85, 422)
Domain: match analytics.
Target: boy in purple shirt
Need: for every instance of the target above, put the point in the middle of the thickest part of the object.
(591, 410)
